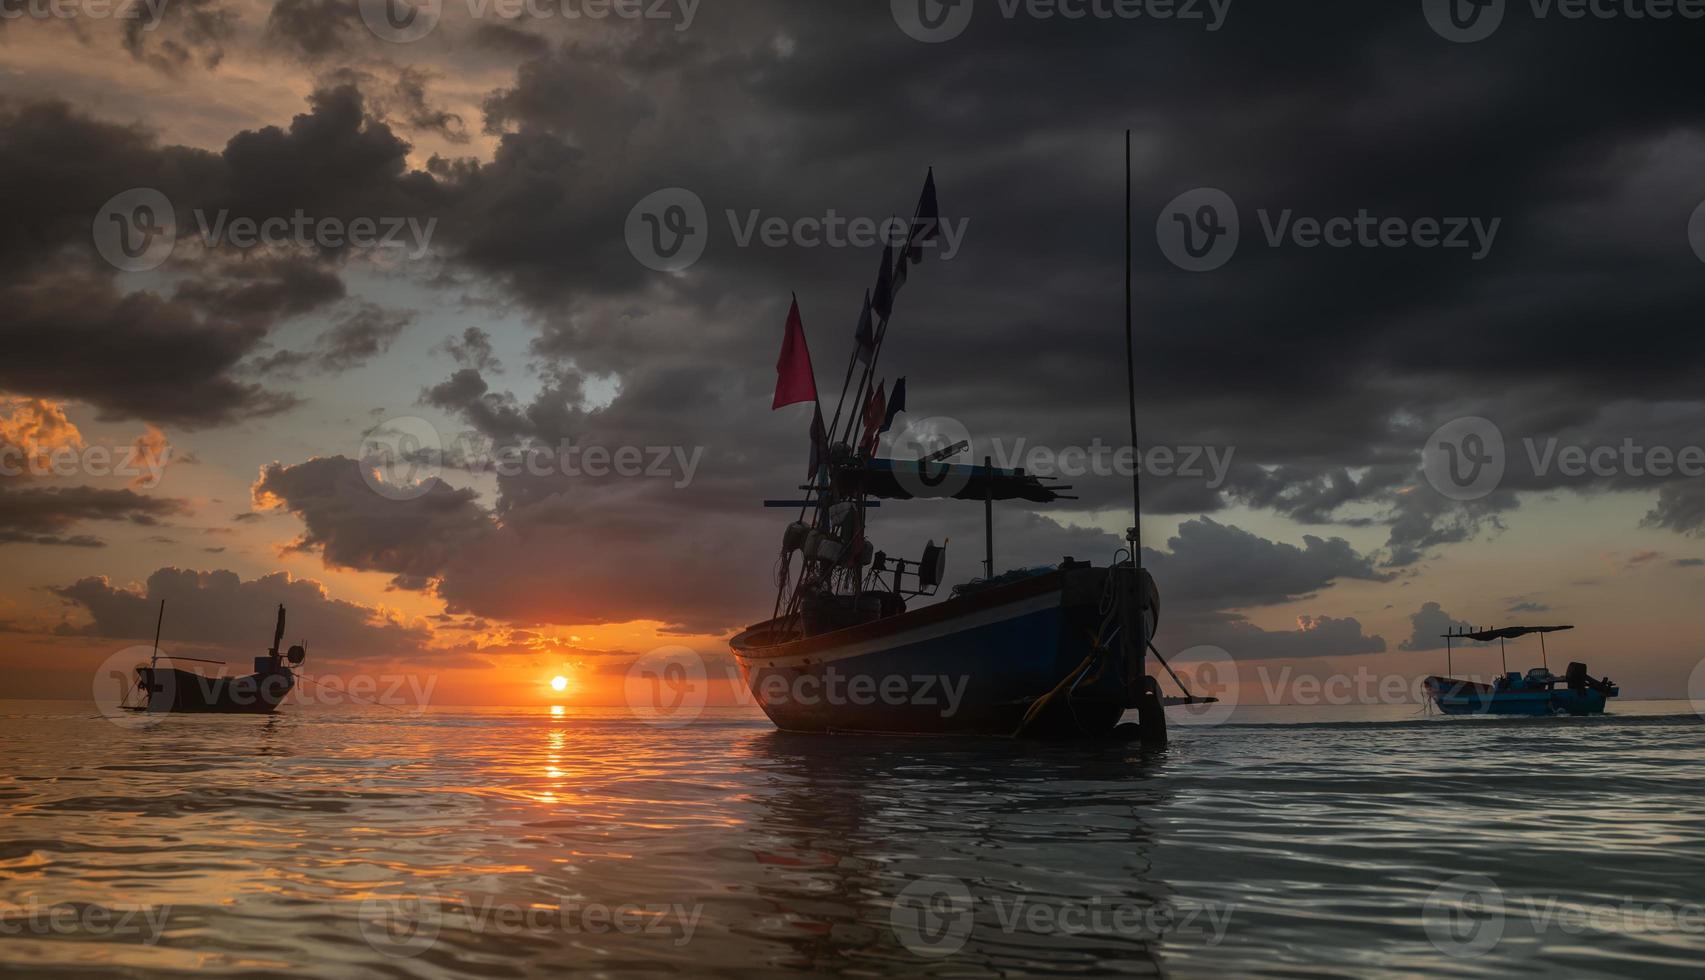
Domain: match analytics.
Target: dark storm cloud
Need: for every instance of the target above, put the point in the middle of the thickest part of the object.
(8, 536)
(472, 350)
(131, 355)
(506, 39)
(593, 552)
(173, 35)
(356, 338)
(1429, 624)
(466, 395)
(263, 288)
(77, 329)
(398, 96)
(1324, 368)
(313, 29)
(1680, 507)
(353, 526)
(1225, 566)
(1315, 636)
(42, 515)
(419, 114)
(218, 610)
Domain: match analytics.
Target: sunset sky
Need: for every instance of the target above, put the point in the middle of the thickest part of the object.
(525, 318)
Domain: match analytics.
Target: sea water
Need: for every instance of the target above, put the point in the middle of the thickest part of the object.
(375, 842)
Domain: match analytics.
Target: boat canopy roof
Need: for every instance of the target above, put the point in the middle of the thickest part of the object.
(893, 479)
(1507, 632)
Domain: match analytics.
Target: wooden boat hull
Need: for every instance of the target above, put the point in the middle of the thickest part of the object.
(171, 689)
(971, 665)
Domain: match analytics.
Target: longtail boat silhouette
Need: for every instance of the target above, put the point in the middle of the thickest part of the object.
(173, 689)
(1059, 650)
(1515, 693)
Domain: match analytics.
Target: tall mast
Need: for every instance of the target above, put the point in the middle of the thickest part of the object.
(1135, 536)
(154, 661)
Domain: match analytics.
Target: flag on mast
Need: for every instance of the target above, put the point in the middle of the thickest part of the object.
(866, 335)
(874, 410)
(883, 301)
(795, 381)
(896, 405)
(819, 443)
(928, 222)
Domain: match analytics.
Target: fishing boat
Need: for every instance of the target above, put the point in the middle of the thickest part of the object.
(1538, 692)
(177, 690)
(854, 644)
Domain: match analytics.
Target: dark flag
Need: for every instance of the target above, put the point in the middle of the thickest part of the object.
(883, 301)
(795, 381)
(896, 405)
(866, 335)
(873, 413)
(927, 224)
(819, 443)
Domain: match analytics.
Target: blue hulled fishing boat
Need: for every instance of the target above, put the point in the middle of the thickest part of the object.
(852, 646)
(1538, 692)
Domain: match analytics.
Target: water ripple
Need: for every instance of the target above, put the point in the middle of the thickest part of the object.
(518, 844)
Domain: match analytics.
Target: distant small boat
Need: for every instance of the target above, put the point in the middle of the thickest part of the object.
(173, 689)
(1538, 692)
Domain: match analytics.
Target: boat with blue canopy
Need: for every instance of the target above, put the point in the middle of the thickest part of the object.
(1538, 692)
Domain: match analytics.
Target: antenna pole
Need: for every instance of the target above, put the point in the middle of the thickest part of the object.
(1542, 660)
(1448, 670)
(989, 517)
(1135, 536)
(154, 661)
(1503, 659)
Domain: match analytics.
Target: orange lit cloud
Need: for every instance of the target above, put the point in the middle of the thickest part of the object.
(31, 429)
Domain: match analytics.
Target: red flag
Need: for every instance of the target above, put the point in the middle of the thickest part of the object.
(874, 410)
(795, 381)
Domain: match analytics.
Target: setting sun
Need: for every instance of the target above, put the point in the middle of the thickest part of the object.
(559, 683)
